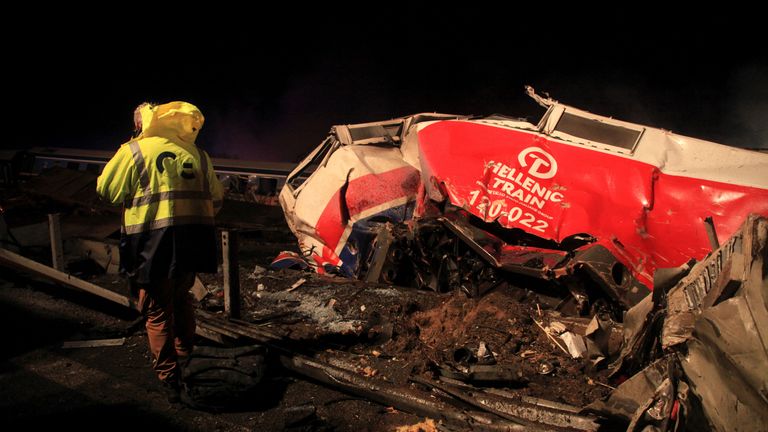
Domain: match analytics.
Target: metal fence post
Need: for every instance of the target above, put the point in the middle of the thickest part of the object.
(230, 246)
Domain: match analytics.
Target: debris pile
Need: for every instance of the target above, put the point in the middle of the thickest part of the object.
(519, 362)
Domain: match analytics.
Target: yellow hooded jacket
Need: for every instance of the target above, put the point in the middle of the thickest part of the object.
(161, 178)
(169, 193)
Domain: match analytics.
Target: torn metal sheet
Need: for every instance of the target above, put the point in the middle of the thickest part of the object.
(726, 363)
(634, 194)
(717, 276)
(711, 326)
(633, 394)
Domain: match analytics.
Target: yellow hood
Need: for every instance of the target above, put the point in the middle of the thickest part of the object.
(175, 121)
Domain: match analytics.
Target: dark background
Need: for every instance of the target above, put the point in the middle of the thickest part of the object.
(272, 81)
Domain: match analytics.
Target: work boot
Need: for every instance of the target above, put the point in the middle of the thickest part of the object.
(171, 389)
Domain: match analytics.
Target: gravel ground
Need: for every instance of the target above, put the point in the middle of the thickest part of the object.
(113, 387)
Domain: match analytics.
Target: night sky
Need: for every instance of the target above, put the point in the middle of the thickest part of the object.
(272, 84)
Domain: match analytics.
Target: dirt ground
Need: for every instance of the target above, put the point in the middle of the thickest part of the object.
(43, 384)
(398, 332)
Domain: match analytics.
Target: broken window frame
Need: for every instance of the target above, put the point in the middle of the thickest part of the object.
(556, 113)
(319, 156)
(388, 132)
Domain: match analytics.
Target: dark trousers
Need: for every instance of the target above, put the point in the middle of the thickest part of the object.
(169, 308)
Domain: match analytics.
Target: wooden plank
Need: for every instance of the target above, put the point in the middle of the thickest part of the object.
(11, 259)
(236, 329)
(230, 246)
(213, 326)
(209, 334)
(94, 343)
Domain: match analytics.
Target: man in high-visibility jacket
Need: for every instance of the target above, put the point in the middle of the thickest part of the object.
(170, 195)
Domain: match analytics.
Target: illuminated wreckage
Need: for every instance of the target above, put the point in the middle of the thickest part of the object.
(667, 234)
(583, 203)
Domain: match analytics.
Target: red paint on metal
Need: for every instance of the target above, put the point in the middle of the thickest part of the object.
(646, 218)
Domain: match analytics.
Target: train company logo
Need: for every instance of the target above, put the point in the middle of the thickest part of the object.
(543, 165)
(186, 166)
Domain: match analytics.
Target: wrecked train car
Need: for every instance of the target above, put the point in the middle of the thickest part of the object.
(447, 201)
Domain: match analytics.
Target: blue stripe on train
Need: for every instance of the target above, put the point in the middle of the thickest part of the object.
(358, 245)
